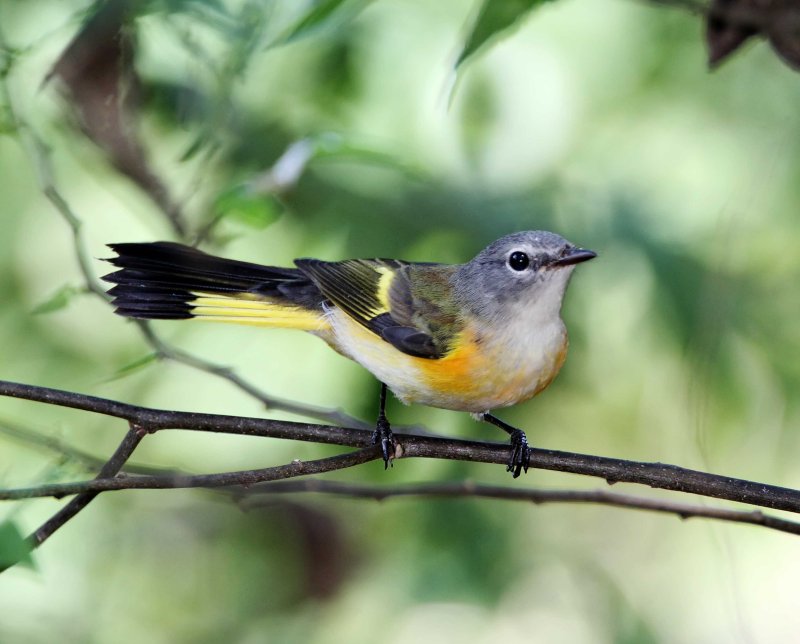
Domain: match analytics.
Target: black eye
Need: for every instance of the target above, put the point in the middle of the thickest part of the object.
(518, 260)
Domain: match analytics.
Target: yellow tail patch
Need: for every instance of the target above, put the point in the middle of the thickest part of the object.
(243, 309)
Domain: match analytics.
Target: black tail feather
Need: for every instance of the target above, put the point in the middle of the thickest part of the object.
(159, 280)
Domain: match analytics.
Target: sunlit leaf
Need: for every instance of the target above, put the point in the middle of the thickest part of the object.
(59, 300)
(496, 18)
(257, 210)
(14, 548)
(325, 15)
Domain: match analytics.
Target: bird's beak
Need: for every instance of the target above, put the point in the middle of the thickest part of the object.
(575, 256)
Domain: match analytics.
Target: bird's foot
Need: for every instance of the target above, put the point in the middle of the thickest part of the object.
(520, 454)
(520, 459)
(383, 436)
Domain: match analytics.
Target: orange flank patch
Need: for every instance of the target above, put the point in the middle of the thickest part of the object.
(482, 379)
(476, 375)
(454, 374)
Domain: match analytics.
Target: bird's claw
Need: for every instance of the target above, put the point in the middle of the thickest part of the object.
(520, 454)
(383, 436)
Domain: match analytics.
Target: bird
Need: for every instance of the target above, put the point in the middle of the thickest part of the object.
(471, 337)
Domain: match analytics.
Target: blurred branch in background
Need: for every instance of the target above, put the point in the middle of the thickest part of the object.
(39, 154)
(98, 79)
(731, 23)
(143, 421)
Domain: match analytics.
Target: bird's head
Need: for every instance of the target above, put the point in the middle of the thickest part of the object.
(528, 269)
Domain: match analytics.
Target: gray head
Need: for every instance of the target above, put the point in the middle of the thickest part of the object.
(530, 268)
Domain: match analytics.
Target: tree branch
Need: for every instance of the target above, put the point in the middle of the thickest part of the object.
(243, 478)
(111, 468)
(657, 475)
(255, 497)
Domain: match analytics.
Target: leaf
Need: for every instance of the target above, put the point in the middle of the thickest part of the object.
(200, 142)
(133, 366)
(326, 15)
(59, 300)
(257, 210)
(14, 548)
(496, 18)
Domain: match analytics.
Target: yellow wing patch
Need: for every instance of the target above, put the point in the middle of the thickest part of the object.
(384, 284)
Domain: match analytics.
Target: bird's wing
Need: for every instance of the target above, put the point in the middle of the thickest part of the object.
(405, 304)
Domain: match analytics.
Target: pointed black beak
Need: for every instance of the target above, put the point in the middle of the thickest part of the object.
(575, 256)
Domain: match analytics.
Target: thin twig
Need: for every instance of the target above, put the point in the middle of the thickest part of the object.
(255, 497)
(111, 468)
(243, 478)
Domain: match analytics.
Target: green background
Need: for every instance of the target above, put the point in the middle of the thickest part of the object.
(597, 120)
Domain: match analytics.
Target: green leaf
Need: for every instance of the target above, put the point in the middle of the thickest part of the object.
(257, 210)
(200, 142)
(14, 548)
(59, 300)
(325, 15)
(133, 366)
(496, 18)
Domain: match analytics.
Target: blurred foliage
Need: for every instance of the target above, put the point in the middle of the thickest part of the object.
(333, 129)
(494, 19)
(14, 548)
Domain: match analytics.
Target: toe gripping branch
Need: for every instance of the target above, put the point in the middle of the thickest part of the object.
(520, 459)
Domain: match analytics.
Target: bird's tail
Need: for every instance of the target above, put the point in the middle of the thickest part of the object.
(168, 281)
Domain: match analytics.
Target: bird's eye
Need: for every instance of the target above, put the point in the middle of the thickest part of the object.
(518, 260)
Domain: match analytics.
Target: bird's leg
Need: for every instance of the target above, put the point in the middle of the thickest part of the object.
(383, 431)
(520, 452)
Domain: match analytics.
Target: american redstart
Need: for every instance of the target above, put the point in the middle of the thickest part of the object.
(470, 337)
